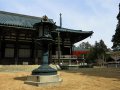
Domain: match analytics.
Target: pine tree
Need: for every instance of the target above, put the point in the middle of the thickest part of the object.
(116, 37)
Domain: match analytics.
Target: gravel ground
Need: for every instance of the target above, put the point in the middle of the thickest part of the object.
(82, 79)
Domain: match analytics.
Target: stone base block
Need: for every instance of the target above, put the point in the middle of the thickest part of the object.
(39, 80)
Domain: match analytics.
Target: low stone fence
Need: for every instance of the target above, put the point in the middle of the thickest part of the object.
(15, 68)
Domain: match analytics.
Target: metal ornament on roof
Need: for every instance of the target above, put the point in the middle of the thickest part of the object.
(45, 18)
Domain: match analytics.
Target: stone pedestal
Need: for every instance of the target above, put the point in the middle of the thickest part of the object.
(41, 80)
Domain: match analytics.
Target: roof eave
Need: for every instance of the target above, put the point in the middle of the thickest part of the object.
(18, 27)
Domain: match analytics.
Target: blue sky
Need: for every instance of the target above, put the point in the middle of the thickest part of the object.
(98, 16)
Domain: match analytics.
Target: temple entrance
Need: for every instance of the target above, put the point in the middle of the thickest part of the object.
(66, 51)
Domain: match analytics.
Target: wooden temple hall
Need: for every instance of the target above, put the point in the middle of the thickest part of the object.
(18, 39)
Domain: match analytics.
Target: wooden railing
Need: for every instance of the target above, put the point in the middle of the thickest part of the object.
(64, 57)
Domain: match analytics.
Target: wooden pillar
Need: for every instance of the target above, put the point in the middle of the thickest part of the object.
(70, 53)
(50, 53)
(3, 49)
(59, 49)
(70, 48)
(16, 50)
(36, 53)
(32, 51)
(0, 48)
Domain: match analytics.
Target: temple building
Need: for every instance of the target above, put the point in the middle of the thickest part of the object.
(18, 35)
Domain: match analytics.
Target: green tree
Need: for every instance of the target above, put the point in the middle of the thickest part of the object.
(85, 45)
(97, 53)
(116, 36)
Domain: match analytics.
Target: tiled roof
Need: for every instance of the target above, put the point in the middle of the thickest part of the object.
(75, 35)
(27, 22)
(19, 20)
(72, 30)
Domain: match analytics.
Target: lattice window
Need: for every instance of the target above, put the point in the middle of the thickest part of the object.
(9, 52)
(24, 53)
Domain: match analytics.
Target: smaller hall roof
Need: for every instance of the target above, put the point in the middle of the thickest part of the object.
(74, 35)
